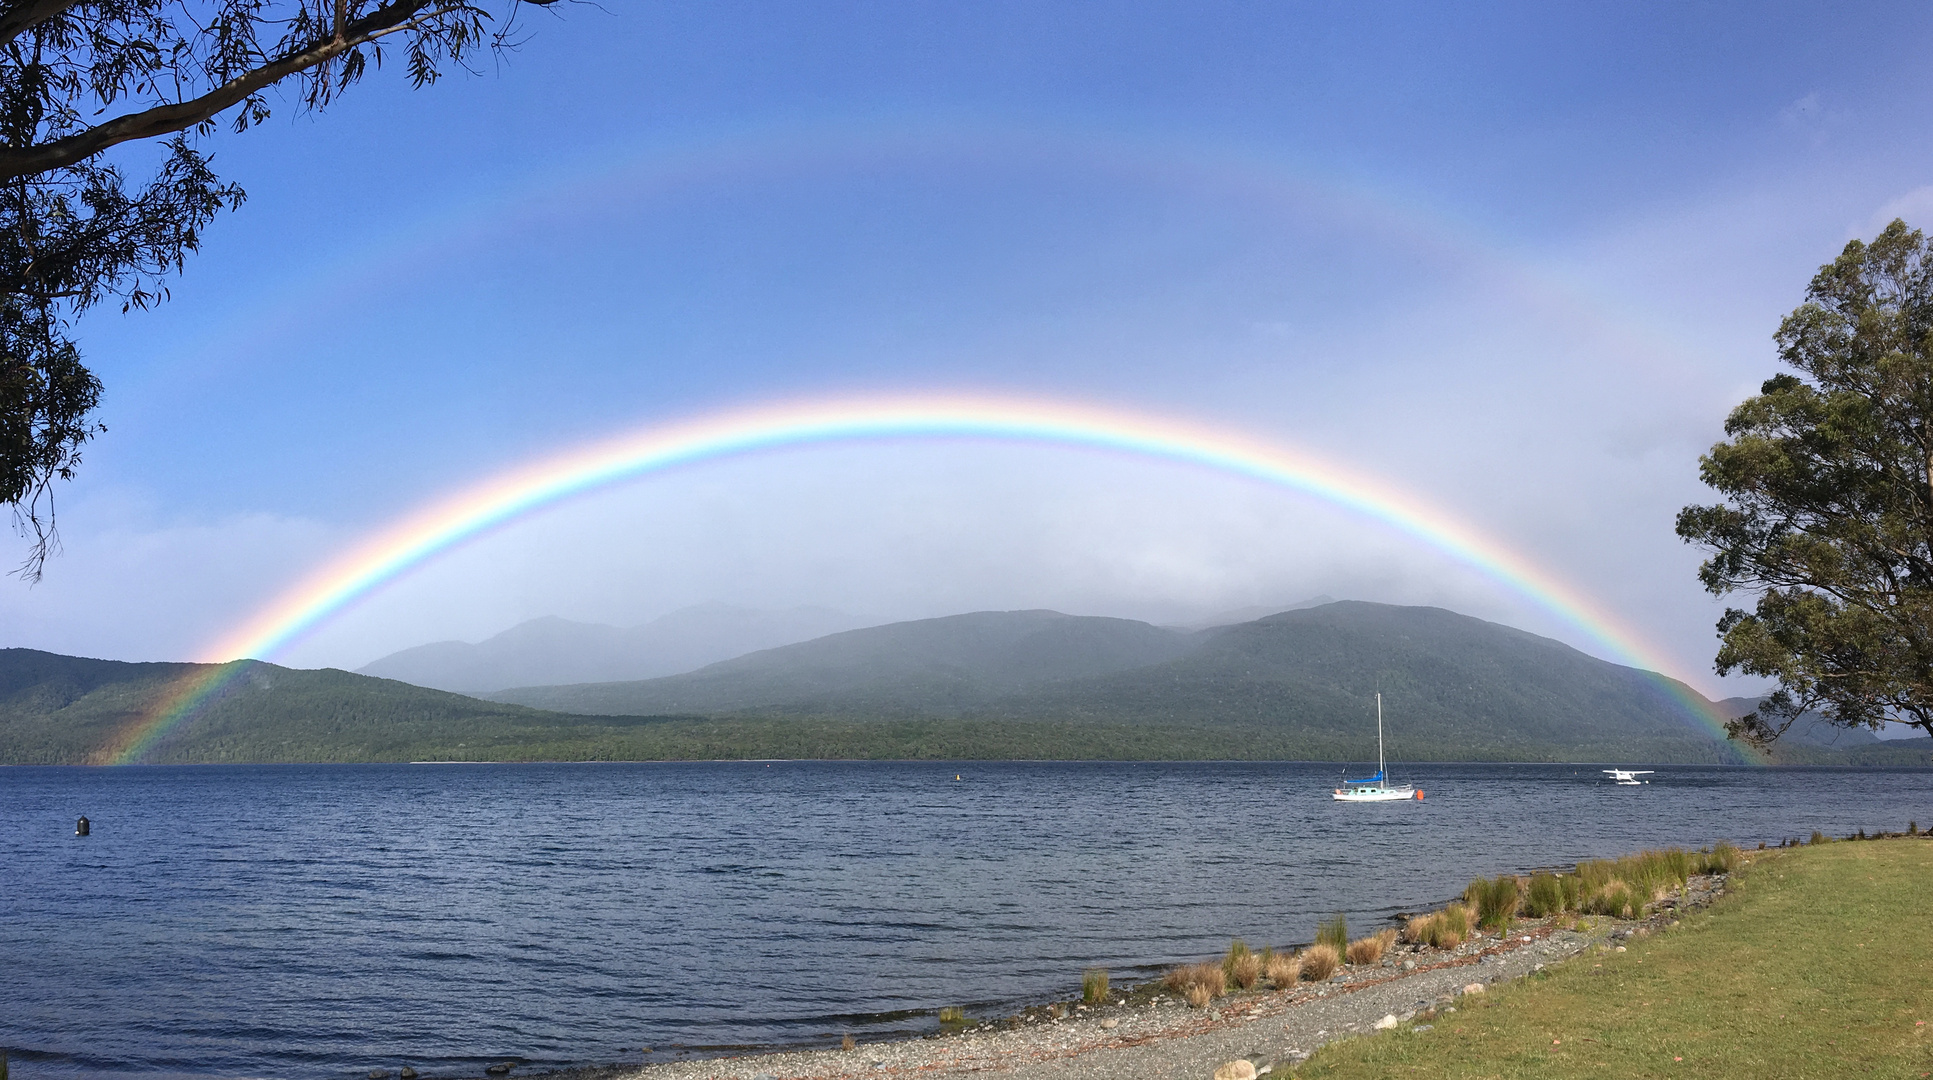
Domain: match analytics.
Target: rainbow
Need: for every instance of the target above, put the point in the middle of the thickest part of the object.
(509, 496)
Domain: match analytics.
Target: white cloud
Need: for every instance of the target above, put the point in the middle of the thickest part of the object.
(129, 587)
(1915, 207)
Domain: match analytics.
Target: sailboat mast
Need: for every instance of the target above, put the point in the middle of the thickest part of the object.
(1381, 768)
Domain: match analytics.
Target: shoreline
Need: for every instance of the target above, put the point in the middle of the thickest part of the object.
(1153, 1035)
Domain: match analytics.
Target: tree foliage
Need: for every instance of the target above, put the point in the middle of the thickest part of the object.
(81, 77)
(1827, 478)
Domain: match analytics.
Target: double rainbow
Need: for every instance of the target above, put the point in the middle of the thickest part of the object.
(519, 492)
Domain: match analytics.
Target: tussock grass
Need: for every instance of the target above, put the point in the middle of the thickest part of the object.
(1334, 933)
(1721, 859)
(1420, 930)
(1818, 837)
(1444, 929)
(1642, 878)
(1544, 896)
(1238, 953)
(1198, 984)
(1246, 972)
(847, 1042)
(1802, 970)
(952, 1014)
(1617, 899)
(1282, 969)
(1094, 985)
(1370, 950)
(1319, 961)
(1496, 900)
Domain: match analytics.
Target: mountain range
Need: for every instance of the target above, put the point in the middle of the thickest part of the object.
(1297, 684)
(1455, 686)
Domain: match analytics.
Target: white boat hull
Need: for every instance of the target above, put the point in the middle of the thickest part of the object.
(1376, 788)
(1376, 794)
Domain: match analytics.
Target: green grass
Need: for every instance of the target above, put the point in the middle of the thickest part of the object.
(1495, 901)
(1094, 985)
(1544, 896)
(1814, 965)
(1334, 933)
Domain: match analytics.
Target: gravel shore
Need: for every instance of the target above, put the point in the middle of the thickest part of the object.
(1160, 1038)
(1164, 1039)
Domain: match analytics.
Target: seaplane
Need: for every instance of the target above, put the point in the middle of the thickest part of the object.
(1628, 777)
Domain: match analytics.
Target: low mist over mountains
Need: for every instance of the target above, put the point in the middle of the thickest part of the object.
(553, 650)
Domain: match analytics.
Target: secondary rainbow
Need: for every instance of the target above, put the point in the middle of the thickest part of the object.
(519, 492)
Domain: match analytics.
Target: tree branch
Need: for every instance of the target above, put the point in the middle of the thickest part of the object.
(165, 119)
(23, 15)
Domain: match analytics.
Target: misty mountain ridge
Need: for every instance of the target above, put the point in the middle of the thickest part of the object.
(937, 666)
(1252, 612)
(1457, 687)
(556, 650)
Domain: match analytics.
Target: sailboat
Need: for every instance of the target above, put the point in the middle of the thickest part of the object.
(1377, 788)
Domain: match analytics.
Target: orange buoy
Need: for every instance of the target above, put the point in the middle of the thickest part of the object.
(1419, 794)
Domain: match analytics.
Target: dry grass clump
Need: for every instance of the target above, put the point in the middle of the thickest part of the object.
(1420, 929)
(1282, 969)
(1094, 985)
(1319, 962)
(952, 1014)
(1199, 984)
(1238, 958)
(1241, 966)
(1444, 929)
(1370, 949)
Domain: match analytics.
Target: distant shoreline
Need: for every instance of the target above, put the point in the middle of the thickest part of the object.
(970, 762)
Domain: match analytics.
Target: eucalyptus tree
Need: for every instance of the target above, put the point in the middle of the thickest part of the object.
(79, 78)
(1827, 513)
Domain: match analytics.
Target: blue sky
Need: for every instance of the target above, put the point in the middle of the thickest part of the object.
(1518, 259)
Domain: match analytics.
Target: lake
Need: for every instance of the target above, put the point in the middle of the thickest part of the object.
(321, 921)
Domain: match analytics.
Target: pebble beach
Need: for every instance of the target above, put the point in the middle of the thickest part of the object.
(1156, 1036)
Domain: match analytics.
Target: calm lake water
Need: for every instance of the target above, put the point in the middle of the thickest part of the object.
(321, 921)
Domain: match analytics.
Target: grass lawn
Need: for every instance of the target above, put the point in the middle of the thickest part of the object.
(1818, 963)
